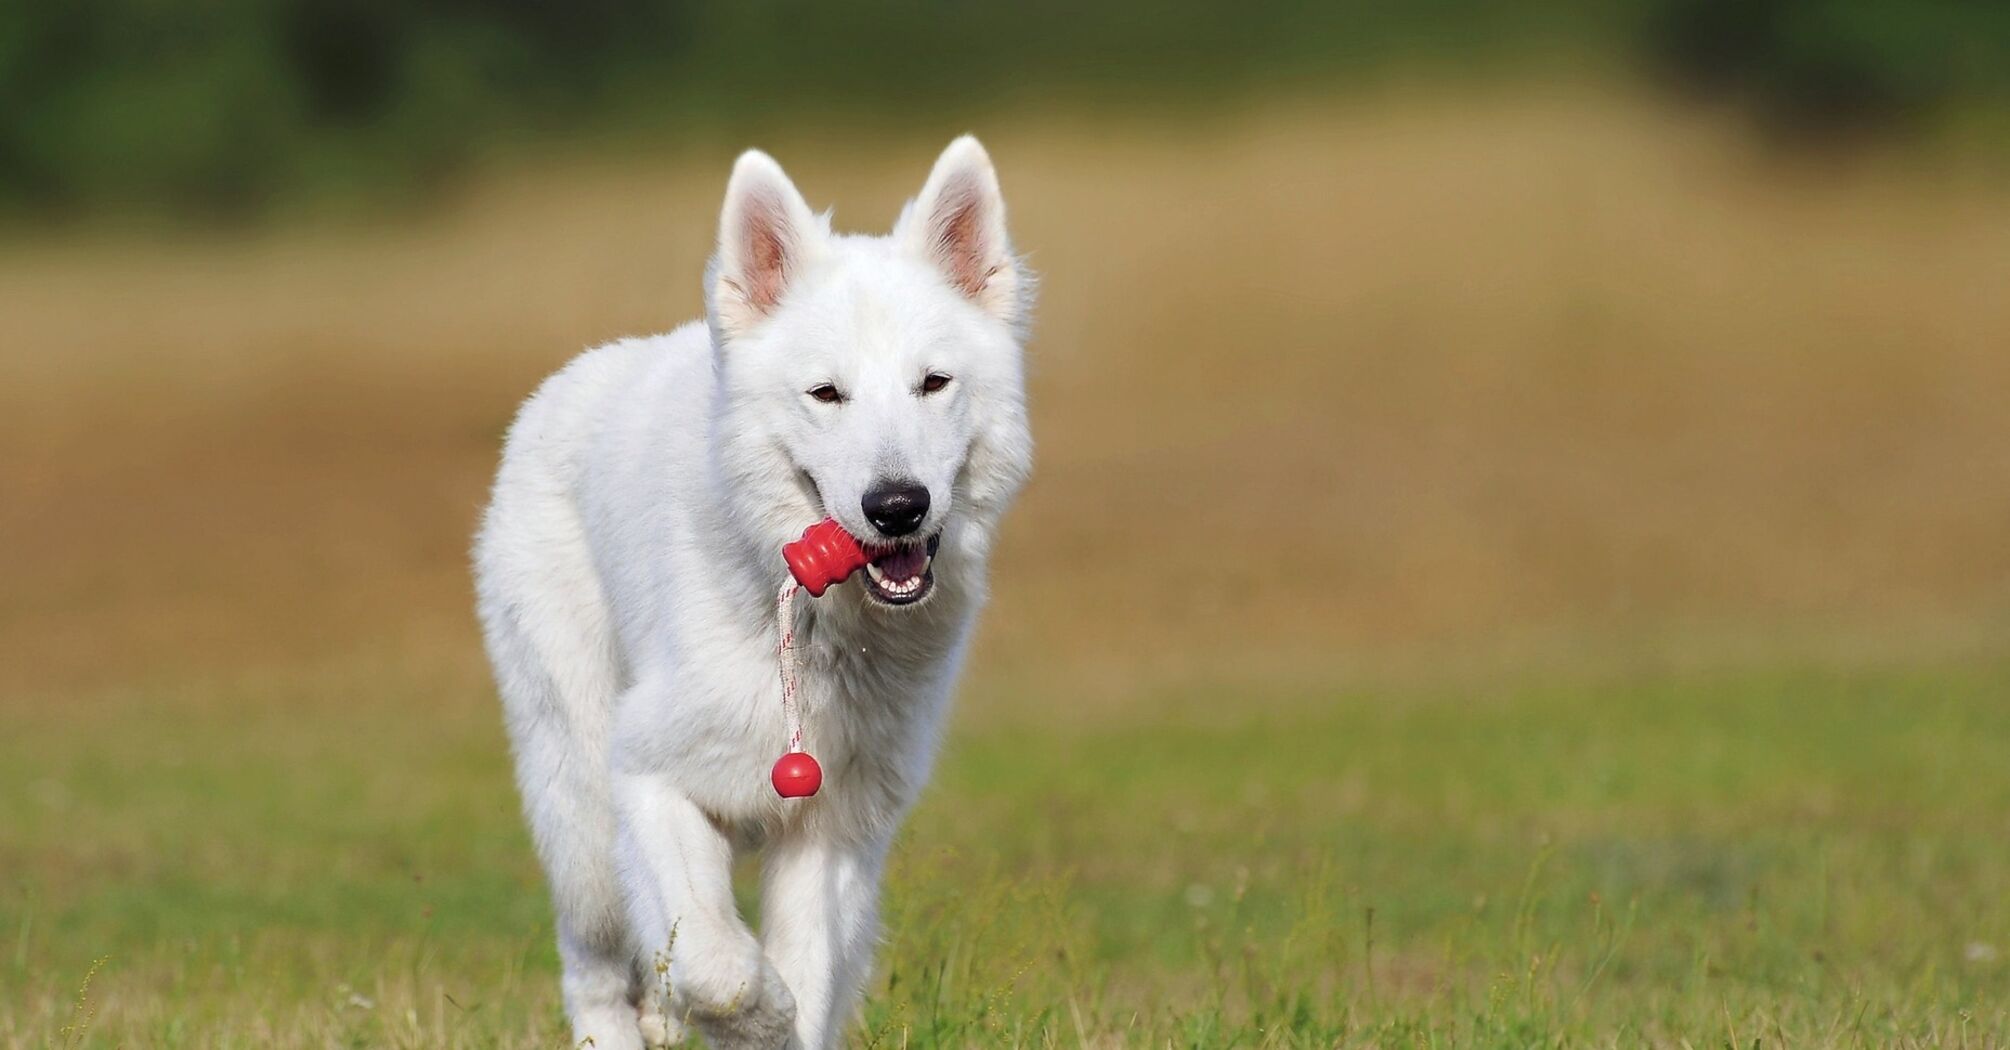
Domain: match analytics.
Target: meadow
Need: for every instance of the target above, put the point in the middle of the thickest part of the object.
(1506, 567)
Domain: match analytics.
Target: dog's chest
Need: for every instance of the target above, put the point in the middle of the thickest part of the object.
(874, 699)
(867, 693)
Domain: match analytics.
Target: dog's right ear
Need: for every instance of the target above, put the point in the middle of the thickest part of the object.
(767, 235)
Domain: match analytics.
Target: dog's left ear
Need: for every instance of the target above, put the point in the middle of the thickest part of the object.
(958, 225)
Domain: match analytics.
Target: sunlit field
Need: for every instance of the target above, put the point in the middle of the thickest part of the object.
(1526, 568)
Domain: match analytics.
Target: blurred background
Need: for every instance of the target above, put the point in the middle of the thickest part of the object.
(1465, 391)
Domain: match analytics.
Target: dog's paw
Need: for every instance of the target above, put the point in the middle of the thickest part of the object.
(610, 1028)
(735, 998)
(659, 1029)
(766, 1021)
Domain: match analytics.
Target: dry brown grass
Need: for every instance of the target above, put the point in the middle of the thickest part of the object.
(1399, 375)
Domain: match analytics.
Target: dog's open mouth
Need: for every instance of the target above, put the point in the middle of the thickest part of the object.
(899, 574)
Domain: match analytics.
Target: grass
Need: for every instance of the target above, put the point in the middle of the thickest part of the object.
(1610, 648)
(1793, 857)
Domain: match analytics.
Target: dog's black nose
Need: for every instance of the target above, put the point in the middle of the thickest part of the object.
(896, 508)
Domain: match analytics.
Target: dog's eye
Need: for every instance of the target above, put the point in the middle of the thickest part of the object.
(933, 382)
(826, 393)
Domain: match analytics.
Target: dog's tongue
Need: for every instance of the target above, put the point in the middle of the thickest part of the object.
(902, 563)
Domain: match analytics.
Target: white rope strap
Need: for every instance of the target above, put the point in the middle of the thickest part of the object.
(785, 656)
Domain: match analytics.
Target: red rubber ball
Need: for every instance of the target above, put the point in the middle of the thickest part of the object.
(796, 775)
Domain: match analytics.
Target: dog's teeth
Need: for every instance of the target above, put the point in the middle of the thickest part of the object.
(901, 587)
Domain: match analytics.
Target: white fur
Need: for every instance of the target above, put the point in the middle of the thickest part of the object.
(627, 571)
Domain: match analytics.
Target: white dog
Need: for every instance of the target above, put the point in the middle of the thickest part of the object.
(628, 567)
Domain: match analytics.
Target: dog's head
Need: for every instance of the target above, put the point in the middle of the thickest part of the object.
(874, 379)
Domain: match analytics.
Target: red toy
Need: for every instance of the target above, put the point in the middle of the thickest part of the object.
(796, 775)
(825, 555)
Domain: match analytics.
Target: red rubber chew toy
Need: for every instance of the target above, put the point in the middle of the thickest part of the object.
(825, 555)
(796, 775)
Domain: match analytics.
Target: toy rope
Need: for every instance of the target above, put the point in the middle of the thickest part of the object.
(785, 657)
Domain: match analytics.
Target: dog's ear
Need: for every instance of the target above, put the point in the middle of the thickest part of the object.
(958, 225)
(767, 235)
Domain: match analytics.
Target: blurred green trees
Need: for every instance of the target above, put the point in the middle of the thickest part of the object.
(1818, 65)
(218, 106)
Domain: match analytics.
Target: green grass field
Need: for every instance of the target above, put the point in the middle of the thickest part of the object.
(1763, 857)
(1611, 651)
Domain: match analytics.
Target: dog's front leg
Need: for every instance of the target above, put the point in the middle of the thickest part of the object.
(820, 919)
(686, 921)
